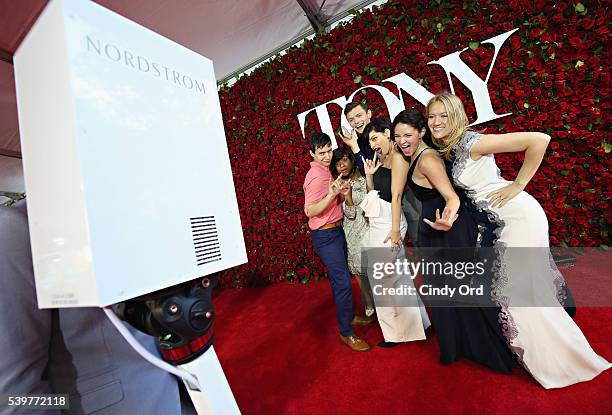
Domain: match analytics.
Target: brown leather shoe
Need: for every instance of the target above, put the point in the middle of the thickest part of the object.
(362, 320)
(355, 343)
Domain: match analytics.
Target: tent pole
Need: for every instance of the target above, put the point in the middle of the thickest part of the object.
(6, 56)
(10, 153)
(314, 16)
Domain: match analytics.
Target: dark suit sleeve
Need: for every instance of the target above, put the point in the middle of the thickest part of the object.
(360, 166)
(26, 330)
(365, 151)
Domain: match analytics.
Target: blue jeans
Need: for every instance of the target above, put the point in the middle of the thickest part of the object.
(330, 245)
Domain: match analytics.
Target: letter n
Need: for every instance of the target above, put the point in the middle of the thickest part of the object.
(94, 44)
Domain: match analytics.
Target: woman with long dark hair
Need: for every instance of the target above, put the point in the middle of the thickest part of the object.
(470, 332)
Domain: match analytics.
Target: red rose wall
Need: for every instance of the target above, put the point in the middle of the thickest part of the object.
(552, 75)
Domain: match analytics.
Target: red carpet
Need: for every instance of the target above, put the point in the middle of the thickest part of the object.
(280, 351)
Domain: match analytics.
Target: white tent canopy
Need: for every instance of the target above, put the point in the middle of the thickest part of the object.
(235, 34)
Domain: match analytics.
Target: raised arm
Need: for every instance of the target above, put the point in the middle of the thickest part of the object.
(399, 173)
(371, 167)
(348, 207)
(369, 180)
(432, 167)
(533, 144)
(350, 139)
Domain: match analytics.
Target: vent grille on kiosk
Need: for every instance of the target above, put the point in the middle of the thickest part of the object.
(205, 239)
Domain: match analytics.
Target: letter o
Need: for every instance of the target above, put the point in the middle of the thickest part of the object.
(109, 56)
(190, 82)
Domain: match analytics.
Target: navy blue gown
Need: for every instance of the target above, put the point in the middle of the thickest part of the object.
(470, 332)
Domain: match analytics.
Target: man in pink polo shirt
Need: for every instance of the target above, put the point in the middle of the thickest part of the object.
(323, 207)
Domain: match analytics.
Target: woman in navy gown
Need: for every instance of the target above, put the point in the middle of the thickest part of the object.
(470, 332)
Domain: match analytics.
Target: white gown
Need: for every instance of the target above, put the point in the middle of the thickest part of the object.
(402, 318)
(546, 340)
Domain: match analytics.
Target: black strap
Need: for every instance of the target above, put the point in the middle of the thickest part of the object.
(414, 163)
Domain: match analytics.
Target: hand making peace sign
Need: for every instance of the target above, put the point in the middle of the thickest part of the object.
(350, 139)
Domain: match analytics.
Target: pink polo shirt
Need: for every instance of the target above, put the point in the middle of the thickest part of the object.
(316, 186)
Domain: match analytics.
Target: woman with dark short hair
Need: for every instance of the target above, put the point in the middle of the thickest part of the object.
(355, 223)
(401, 318)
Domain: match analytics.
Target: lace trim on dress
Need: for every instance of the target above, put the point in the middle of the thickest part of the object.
(559, 281)
(499, 272)
(462, 155)
(499, 282)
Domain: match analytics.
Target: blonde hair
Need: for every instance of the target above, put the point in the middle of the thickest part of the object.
(456, 122)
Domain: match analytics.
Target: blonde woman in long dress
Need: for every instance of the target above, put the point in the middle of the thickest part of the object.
(527, 286)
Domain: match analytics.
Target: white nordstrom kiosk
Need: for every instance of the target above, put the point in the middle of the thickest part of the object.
(123, 150)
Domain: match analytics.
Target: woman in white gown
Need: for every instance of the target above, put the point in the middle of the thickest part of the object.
(402, 318)
(530, 291)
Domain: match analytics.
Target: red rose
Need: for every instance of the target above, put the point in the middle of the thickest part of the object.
(587, 23)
